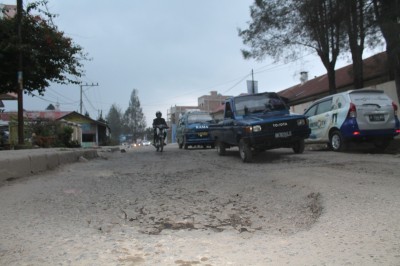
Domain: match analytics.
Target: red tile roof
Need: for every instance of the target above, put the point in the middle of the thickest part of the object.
(8, 96)
(374, 66)
(52, 115)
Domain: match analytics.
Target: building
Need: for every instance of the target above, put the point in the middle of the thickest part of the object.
(87, 132)
(211, 102)
(94, 133)
(376, 76)
(7, 11)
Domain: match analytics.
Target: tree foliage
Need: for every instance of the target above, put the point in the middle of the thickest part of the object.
(131, 122)
(48, 55)
(114, 121)
(387, 14)
(282, 29)
(133, 118)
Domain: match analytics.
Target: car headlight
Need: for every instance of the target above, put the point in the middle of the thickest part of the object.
(257, 128)
(301, 122)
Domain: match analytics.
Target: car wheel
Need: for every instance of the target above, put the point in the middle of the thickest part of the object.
(381, 144)
(245, 151)
(337, 142)
(180, 144)
(220, 146)
(299, 146)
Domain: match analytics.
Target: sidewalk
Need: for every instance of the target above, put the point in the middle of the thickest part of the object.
(19, 163)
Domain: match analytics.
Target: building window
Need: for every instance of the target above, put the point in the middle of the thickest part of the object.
(88, 138)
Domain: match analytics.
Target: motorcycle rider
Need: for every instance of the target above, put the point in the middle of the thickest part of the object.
(159, 121)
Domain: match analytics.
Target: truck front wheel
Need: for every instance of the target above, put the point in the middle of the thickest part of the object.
(245, 151)
(299, 146)
(220, 146)
(185, 145)
(180, 143)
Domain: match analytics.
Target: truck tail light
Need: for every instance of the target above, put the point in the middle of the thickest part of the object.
(394, 108)
(352, 111)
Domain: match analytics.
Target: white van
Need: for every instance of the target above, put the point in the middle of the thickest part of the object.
(356, 115)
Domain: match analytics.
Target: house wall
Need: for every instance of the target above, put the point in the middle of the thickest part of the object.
(211, 102)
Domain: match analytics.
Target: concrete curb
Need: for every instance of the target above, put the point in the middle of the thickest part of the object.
(19, 163)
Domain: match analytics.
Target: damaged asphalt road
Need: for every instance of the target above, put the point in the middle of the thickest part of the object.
(193, 207)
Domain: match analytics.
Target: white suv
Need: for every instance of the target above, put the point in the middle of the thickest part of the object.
(356, 115)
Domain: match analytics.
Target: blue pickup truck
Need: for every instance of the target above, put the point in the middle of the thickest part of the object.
(258, 122)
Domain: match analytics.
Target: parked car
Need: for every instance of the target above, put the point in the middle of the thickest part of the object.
(356, 115)
(192, 130)
(146, 143)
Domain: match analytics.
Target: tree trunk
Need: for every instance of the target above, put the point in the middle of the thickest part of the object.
(354, 13)
(358, 69)
(388, 14)
(332, 79)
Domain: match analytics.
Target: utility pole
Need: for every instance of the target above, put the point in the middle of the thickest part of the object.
(20, 76)
(85, 85)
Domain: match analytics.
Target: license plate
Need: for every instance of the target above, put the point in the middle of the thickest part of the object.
(376, 118)
(285, 134)
(202, 134)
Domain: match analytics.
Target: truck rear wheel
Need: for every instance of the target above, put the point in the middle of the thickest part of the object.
(220, 146)
(245, 151)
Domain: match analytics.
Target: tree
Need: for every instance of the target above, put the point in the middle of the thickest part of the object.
(134, 119)
(50, 107)
(387, 13)
(100, 118)
(114, 121)
(361, 32)
(47, 54)
(282, 28)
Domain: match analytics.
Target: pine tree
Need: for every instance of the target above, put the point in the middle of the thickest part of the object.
(134, 119)
(114, 121)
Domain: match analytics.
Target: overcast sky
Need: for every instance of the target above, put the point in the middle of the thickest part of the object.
(171, 51)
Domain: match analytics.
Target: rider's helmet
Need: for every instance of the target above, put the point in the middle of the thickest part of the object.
(158, 114)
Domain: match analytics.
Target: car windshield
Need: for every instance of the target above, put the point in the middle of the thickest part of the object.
(199, 118)
(259, 103)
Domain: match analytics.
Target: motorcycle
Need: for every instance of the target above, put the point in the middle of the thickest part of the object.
(159, 139)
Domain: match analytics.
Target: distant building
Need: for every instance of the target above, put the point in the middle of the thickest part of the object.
(7, 11)
(211, 102)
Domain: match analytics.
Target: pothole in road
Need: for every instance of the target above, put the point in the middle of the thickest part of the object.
(283, 216)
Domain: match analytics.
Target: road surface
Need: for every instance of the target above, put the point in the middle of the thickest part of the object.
(193, 207)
